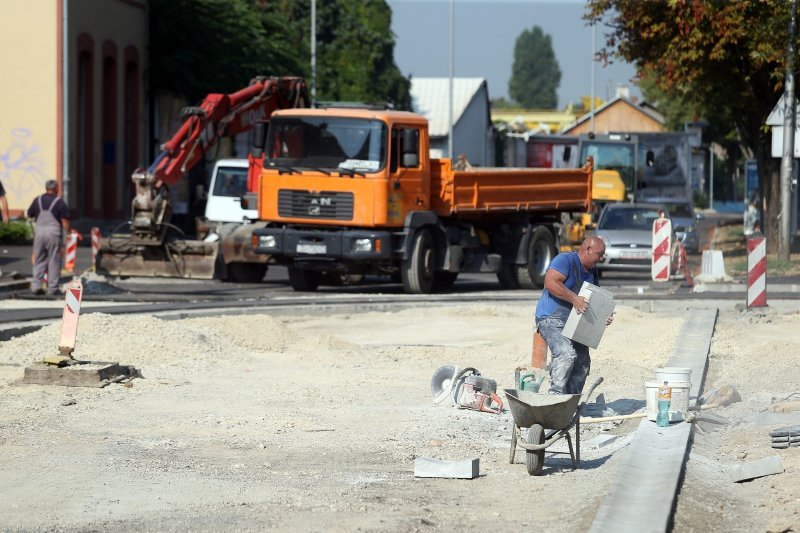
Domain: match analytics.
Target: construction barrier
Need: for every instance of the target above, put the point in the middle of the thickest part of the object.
(662, 246)
(95, 246)
(683, 264)
(72, 251)
(756, 270)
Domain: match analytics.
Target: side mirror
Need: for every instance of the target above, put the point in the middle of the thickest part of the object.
(650, 158)
(410, 160)
(700, 216)
(259, 138)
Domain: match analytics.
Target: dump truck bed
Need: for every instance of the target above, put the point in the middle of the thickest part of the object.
(503, 190)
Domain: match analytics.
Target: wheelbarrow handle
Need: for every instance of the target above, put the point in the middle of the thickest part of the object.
(597, 382)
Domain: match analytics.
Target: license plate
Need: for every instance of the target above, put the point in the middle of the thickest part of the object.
(311, 248)
(633, 255)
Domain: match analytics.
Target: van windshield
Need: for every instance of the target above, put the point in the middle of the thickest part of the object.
(344, 145)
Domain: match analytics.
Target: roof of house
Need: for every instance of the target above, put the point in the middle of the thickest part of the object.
(430, 98)
(645, 109)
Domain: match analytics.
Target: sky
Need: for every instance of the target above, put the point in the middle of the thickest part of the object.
(484, 37)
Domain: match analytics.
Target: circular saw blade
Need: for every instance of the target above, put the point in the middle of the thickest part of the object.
(442, 382)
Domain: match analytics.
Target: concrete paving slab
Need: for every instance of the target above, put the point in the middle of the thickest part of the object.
(760, 468)
(588, 328)
(462, 469)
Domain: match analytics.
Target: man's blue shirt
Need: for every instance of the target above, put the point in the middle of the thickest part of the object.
(568, 264)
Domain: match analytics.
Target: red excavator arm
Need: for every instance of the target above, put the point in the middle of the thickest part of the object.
(217, 116)
(156, 248)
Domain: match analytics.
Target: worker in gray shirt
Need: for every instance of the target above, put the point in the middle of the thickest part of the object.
(52, 216)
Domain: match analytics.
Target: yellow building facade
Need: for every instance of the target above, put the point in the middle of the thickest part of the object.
(73, 101)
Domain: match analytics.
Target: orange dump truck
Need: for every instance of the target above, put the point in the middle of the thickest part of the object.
(354, 191)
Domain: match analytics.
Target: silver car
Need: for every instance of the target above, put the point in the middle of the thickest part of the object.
(627, 231)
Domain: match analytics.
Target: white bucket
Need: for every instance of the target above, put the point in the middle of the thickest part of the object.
(673, 373)
(679, 404)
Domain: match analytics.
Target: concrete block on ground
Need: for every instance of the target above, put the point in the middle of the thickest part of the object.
(600, 441)
(754, 469)
(462, 469)
(588, 328)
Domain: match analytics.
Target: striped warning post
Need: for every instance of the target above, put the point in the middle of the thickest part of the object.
(69, 320)
(72, 251)
(95, 246)
(756, 270)
(662, 245)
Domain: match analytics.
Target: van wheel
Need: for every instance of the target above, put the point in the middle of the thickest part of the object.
(540, 252)
(418, 270)
(304, 280)
(245, 272)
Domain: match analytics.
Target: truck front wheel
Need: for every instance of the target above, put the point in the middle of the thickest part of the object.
(541, 250)
(304, 280)
(418, 270)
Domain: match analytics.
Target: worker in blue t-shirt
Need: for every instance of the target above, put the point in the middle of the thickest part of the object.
(569, 366)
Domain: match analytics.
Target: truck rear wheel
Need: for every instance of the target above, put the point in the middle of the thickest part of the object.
(541, 250)
(245, 272)
(418, 270)
(304, 280)
(444, 280)
(507, 276)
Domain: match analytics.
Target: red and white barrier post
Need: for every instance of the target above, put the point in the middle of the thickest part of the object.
(72, 251)
(662, 246)
(756, 270)
(69, 323)
(95, 246)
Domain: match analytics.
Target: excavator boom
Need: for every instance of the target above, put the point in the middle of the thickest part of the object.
(154, 247)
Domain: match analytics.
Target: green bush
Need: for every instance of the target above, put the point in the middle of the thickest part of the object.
(16, 232)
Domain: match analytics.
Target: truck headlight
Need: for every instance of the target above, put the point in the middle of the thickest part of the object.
(362, 245)
(267, 241)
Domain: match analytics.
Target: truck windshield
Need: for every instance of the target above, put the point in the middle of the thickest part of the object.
(612, 156)
(346, 145)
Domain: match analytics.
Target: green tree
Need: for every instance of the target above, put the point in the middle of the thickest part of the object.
(355, 50)
(727, 59)
(204, 46)
(216, 46)
(535, 75)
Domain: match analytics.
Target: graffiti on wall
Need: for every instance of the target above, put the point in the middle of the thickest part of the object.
(22, 167)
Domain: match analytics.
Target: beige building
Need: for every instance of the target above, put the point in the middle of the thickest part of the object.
(73, 99)
(618, 115)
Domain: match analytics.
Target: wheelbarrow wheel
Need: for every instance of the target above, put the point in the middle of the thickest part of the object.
(513, 445)
(534, 459)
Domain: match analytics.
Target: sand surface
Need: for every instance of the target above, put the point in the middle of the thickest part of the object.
(312, 423)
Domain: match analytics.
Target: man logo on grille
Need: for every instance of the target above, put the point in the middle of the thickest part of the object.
(315, 209)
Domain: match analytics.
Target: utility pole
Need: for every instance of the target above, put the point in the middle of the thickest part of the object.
(594, 62)
(711, 176)
(313, 53)
(450, 102)
(785, 216)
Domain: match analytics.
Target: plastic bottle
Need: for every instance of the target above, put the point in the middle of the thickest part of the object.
(664, 399)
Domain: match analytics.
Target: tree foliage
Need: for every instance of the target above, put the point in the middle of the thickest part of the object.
(216, 46)
(535, 74)
(204, 46)
(726, 60)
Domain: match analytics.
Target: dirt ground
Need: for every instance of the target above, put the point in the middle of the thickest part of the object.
(313, 422)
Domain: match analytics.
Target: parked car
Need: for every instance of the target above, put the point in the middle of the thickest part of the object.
(627, 231)
(684, 222)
